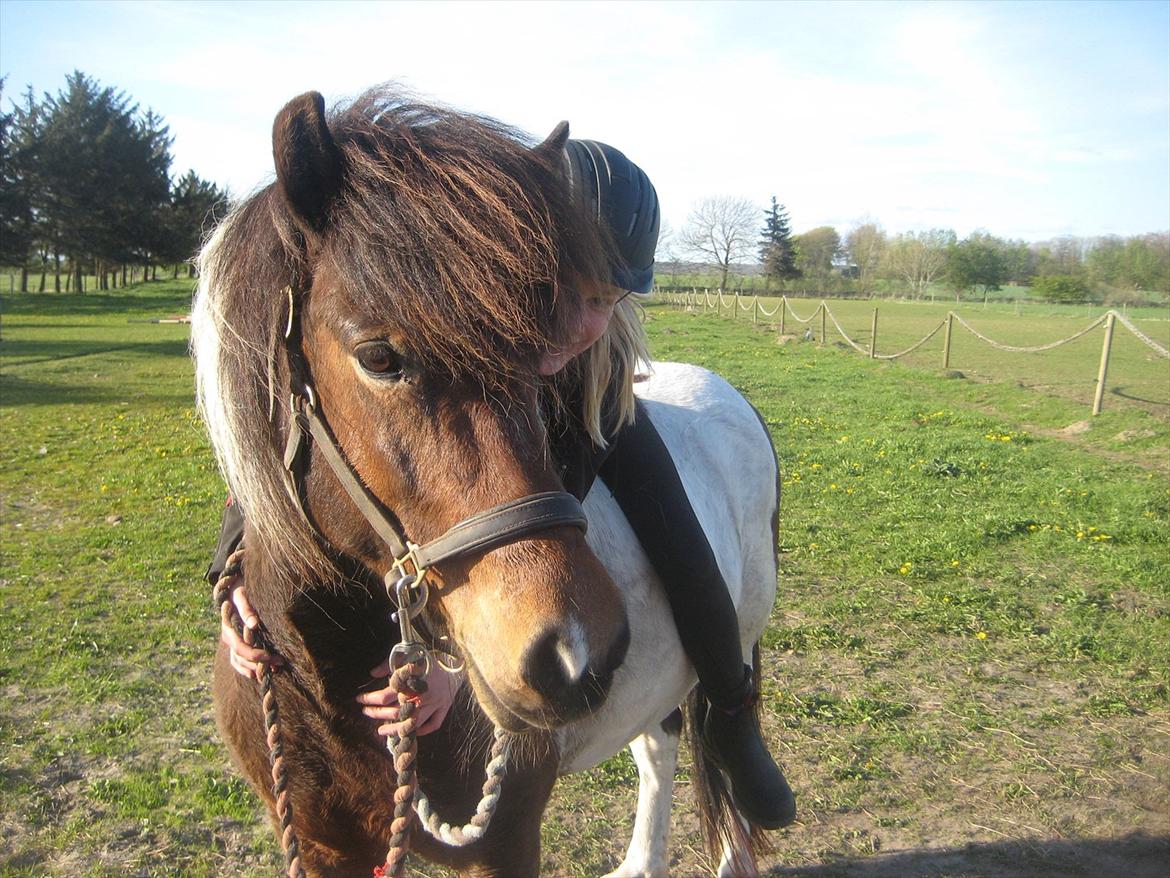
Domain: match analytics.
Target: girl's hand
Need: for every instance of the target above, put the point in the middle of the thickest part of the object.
(248, 661)
(436, 701)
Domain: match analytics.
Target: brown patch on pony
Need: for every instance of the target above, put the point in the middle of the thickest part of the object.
(447, 228)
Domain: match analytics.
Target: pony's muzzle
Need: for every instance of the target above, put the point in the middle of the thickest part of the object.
(559, 667)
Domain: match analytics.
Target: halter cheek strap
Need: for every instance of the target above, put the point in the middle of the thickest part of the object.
(481, 532)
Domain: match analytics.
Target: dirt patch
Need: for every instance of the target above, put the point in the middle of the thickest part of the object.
(1075, 429)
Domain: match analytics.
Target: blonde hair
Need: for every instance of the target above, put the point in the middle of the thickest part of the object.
(609, 367)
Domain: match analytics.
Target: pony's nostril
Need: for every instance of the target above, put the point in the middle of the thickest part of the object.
(547, 665)
(557, 666)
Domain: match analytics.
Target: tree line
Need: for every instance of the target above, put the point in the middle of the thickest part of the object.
(86, 187)
(726, 232)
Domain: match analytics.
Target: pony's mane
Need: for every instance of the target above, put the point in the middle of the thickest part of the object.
(450, 224)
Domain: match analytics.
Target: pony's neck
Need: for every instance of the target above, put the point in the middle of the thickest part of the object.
(330, 630)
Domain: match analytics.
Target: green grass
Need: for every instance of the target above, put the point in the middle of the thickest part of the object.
(970, 644)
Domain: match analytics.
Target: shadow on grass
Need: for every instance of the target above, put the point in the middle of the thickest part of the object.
(27, 352)
(1120, 392)
(138, 299)
(1137, 855)
(19, 391)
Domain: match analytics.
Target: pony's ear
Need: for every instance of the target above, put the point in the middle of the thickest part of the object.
(308, 163)
(555, 142)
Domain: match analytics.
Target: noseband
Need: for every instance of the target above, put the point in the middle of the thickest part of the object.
(480, 532)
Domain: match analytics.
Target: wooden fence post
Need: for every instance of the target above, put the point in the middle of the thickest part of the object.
(947, 340)
(1099, 396)
(824, 334)
(756, 309)
(735, 306)
(873, 336)
(783, 312)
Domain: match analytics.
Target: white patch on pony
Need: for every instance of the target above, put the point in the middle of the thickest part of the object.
(656, 754)
(573, 651)
(727, 466)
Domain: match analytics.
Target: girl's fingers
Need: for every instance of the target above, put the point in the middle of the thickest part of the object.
(389, 712)
(239, 649)
(379, 697)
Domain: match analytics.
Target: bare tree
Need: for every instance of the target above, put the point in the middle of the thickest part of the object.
(865, 244)
(918, 258)
(722, 229)
(667, 254)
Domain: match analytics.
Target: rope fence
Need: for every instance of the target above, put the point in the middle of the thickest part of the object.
(737, 303)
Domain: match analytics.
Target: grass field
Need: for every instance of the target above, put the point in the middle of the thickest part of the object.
(967, 672)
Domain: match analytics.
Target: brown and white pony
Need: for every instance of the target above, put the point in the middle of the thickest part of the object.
(421, 260)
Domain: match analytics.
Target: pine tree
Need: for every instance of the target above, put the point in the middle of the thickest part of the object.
(18, 143)
(104, 175)
(777, 251)
(190, 215)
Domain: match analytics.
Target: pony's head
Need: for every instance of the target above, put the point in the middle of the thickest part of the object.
(411, 263)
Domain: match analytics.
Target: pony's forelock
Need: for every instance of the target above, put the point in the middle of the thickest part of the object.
(237, 396)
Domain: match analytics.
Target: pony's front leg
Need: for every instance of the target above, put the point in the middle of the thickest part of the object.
(656, 755)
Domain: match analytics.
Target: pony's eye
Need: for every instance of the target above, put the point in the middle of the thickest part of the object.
(379, 359)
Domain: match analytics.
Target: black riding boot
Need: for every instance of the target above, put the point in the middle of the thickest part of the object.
(640, 473)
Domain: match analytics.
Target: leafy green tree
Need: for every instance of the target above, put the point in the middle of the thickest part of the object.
(977, 262)
(777, 249)
(816, 251)
(1063, 288)
(1147, 262)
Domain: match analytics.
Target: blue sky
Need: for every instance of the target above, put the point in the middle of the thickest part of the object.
(1030, 120)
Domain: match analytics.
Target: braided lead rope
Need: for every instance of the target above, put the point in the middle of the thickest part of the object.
(408, 680)
(1128, 324)
(233, 572)
(473, 830)
(914, 346)
(1030, 350)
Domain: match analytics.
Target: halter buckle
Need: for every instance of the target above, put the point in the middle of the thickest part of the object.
(416, 569)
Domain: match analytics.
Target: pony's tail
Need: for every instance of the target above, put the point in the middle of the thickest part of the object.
(723, 826)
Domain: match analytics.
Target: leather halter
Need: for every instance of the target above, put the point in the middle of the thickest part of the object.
(480, 532)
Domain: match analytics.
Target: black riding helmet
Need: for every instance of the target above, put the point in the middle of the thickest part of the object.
(622, 197)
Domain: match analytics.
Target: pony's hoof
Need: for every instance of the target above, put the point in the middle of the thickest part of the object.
(633, 871)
